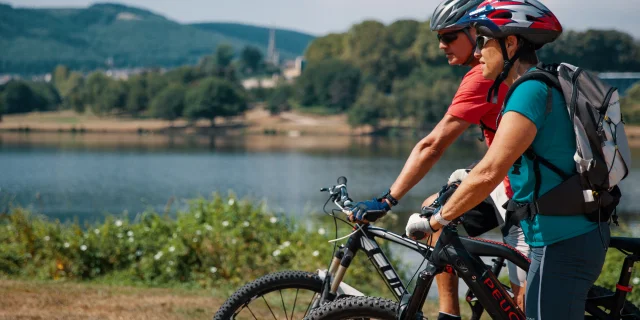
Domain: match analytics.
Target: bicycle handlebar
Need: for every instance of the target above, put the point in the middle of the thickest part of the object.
(339, 194)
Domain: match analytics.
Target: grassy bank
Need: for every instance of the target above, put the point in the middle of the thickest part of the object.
(216, 244)
(153, 266)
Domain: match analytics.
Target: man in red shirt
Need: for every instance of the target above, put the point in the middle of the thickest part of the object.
(469, 106)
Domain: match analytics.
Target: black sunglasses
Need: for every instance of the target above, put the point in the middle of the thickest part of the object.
(449, 37)
(481, 41)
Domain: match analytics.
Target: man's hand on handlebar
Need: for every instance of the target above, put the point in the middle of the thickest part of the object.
(369, 211)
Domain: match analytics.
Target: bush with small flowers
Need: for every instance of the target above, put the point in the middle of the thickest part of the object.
(216, 243)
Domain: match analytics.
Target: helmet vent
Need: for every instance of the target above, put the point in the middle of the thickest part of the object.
(502, 15)
(532, 18)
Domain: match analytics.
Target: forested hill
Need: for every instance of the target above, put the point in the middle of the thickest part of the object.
(36, 40)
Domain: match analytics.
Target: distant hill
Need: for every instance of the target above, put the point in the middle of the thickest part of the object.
(36, 40)
(286, 40)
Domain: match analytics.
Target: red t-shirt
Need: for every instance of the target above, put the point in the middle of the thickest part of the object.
(470, 104)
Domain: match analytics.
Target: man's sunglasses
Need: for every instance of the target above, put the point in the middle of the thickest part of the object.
(481, 41)
(449, 37)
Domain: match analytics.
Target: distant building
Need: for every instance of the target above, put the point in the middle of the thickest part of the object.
(293, 68)
(124, 74)
(621, 80)
(252, 83)
(273, 56)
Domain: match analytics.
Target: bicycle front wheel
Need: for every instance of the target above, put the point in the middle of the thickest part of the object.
(280, 295)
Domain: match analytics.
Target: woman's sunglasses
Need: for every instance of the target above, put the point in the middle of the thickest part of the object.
(481, 41)
(449, 37)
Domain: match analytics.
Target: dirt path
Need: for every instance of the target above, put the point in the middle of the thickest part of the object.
(48, 300)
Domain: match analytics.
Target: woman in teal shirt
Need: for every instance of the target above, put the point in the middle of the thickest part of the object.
(567, 252)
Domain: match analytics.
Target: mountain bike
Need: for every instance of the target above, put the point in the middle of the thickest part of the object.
(305, 291)
(292, 294)
(460, 255)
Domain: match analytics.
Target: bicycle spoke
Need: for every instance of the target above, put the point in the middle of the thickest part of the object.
(294, 303)
(283, 307)
(254, 316)
(310, 302)
(268, 306)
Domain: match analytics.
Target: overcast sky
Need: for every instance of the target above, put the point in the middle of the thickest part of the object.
(323, 16)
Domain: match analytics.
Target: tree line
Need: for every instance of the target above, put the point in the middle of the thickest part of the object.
(398, 75)
(205, 91)
(393, 75)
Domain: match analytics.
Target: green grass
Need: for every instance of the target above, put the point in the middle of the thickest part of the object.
(313, 110)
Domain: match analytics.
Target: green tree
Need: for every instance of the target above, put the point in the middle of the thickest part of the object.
(76, 101)
(331, 46)
(224, 55)
(425, 48)
(367, 49)
(104, 94)
(219, 64)
(279, 99)
(113, 97)
(137, 99)
(214, 97)
(60, 76)
(402, 34)
(155, 82)
(633, 93)
(251, 60)
(46, 96)
(169, 104)
(330, 83)
(183, 75)
(19, 98)
(588, 50)
(94, 86)
(369, 108)
(425, 95)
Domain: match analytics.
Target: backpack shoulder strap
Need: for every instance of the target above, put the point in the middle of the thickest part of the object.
(547, 73)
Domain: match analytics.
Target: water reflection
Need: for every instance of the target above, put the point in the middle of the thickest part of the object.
(86, 175)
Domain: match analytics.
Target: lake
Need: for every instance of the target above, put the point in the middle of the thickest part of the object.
(87, 176)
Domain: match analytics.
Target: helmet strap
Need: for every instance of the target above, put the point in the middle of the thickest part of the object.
(473, 50)
(508, 64)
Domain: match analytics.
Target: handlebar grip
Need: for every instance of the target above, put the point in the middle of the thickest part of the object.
(418, 235)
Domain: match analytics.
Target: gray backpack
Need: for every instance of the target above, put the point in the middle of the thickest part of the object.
(602, 156)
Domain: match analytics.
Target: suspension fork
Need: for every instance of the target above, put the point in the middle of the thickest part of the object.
(339, 265)
(326, 283)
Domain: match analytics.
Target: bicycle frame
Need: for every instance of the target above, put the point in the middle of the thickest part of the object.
(461, 256)
(364, 239)
(450, 250)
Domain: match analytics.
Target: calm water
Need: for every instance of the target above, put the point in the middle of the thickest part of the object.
(86, 176)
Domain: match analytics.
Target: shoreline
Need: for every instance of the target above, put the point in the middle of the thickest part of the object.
(254, 123)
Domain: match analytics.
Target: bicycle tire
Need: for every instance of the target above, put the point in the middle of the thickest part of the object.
(629, 311)
(264, 285)
(356, 308)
